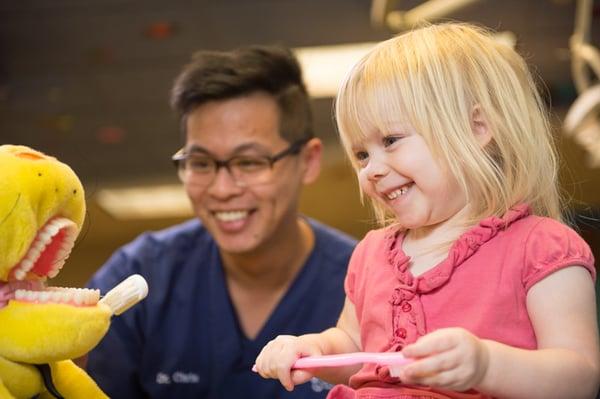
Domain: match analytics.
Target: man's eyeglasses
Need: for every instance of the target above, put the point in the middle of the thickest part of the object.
(201, 169)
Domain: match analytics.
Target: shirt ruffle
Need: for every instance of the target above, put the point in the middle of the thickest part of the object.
(465, 246)
(408, 320)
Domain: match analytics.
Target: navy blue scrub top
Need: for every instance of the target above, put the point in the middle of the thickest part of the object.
(184, 340)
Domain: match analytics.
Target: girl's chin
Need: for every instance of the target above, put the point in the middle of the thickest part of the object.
(410, 220)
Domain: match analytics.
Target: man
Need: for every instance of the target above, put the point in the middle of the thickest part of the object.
(251, 267)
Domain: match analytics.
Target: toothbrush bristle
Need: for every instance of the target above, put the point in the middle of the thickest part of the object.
(126, 294)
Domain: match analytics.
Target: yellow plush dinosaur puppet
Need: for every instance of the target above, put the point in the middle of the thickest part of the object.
(42, 208)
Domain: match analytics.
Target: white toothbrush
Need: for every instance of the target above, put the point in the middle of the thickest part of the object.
(126, 294)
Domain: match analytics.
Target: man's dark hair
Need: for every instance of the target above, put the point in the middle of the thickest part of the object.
(222, 75)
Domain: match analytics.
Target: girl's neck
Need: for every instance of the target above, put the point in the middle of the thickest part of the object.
(436, 239)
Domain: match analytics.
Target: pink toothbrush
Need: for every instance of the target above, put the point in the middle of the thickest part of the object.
(393, 359)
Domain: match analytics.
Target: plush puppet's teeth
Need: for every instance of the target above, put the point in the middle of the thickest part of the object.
(71, 296)
(42, 240)
(53, 273)
(20, 274)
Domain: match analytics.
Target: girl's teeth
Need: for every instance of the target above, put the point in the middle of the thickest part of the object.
(397, 193)
(231, 216)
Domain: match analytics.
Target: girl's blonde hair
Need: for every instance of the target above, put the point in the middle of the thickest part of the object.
(434, 78)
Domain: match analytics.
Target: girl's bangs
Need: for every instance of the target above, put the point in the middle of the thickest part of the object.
(370, 102)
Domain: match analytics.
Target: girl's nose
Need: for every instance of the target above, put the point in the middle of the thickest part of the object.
(376, 168)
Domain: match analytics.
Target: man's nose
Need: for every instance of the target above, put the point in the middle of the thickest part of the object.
(224, 183)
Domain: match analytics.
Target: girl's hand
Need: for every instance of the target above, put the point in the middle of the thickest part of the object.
(278, 356)
(449, 358)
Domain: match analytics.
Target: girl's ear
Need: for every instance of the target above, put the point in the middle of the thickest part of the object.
(311, 155)
(480, 126)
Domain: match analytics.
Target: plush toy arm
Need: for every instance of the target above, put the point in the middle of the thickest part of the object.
(19, 380)
(4, 394)
(72, 382)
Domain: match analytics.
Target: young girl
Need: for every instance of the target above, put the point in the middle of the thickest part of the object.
(477, 280)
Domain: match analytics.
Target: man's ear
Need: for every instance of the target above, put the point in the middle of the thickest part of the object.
(480, 126)
(311, 157)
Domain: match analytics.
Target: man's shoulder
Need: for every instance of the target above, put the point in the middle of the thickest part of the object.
(329, 233)
(334, 243)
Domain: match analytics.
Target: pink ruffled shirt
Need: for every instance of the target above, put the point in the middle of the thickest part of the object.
(481, 286)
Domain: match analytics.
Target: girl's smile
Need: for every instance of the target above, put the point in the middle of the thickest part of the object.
(400, 171)
(397, 192)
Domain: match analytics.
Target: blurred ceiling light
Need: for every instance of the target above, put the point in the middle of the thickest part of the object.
(382, 13)
(145, 202)
(582, 120)
(324, 67)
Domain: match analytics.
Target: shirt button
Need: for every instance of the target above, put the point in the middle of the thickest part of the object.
(406, 307)
(401, 332)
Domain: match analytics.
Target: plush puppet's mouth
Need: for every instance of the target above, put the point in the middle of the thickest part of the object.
(46, 256)
(48, 251)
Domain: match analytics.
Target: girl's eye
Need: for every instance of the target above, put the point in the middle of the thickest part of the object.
(362, 158)
(361, 155)
(389, 140)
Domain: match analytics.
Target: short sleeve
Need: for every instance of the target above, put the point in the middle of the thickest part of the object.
(354, 269)
(551, 246)
(364, 253)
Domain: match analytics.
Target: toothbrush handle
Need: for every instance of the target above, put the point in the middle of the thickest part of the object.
(308, 362)
(346, 359)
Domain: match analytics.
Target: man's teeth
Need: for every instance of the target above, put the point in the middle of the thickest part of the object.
(72, 296)
(231, 216)
(397, 193)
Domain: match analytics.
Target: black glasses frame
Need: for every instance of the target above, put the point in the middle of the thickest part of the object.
(293, 149)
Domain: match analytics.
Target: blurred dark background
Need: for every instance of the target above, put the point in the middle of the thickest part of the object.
(87, 81)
